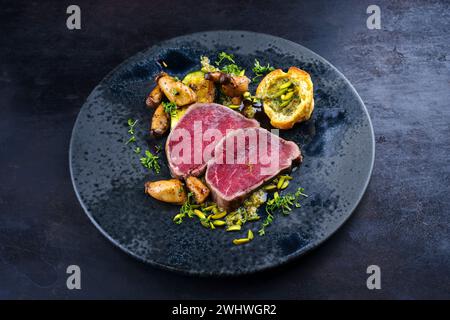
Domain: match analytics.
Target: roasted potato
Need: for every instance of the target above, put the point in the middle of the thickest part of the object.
(176, 91)
(154, 98)
(236, 87)
(199, 190)
(205, 89)
(160, 122)
(170, 191)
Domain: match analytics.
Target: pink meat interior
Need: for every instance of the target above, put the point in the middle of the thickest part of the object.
(208, 116)
(253, 162)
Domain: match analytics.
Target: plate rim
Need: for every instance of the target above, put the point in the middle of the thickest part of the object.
(288, 258)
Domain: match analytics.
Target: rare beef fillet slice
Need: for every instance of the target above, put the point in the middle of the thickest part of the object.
(243, 161)
(191, 142)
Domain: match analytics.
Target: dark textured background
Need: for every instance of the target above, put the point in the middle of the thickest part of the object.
(401, 72)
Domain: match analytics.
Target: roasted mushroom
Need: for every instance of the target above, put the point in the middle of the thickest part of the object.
(154, 98)
(218, 77)
(232, 85)
(176, 91)
(199, 190)
(160, 122)
(237, 86)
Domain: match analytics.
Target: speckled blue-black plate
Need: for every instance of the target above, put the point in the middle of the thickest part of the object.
(337, 144)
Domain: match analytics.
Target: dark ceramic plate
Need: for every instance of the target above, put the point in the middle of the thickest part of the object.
(337, 144)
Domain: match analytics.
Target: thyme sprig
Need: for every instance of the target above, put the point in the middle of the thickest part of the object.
(131, 124)
(225, 56)
(170, 108)
(260, 70)
(283, 203)
(233, 69)
(150, 161)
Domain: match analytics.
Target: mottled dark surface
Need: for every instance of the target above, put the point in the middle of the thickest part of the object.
(337, 142)
(400, 71)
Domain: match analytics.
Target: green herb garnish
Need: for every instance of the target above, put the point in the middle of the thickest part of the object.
(132, 139)
(237, 217)
(150, 161)
(233, 69)
(224, 56)
(283, 203)
(131, 124)
(137, 150)
(260, 70)
(170, 108)
(266, 222)
(186, 209)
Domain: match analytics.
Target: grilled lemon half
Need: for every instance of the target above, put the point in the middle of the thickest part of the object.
(287, 97)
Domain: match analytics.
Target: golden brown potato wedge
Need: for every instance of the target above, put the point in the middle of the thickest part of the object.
(176, 91)
(205, 89)
(199, 190)
(170, 191)
(154, 98)
(160, 122)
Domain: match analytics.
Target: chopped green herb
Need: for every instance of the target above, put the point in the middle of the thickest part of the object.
(233, 69)
(186, 209)
(260, 70)
(137, 150)
(299, 193)
(132, 139)
(266, 222)
(237, 217)
(283, 203)
(280, 202)
(131, 124)
(224, 56)
(170, 108)
(158, 148)
(150, 161)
